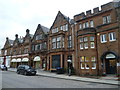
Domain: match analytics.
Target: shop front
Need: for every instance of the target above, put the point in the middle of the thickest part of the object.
(37, 62)
(25, 61)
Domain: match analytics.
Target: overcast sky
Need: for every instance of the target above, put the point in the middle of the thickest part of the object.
(18, 15)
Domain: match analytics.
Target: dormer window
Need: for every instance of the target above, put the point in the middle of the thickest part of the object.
(39, 37)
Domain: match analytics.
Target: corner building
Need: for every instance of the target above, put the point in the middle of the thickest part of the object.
(98, 39)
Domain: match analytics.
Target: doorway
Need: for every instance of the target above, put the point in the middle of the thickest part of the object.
(111, 66)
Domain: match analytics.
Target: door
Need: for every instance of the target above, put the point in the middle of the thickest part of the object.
(111, 66)
(55, 61)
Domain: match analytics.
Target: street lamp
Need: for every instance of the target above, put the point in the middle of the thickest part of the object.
(69, 66)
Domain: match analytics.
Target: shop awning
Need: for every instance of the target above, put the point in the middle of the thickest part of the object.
(25, 60)
(14, 60)
(37, 58)
(18, 60)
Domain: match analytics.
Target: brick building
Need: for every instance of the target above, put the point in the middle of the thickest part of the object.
(61, 43)
(90, 41)
(38, 53)
(98, 40)
(6, 52)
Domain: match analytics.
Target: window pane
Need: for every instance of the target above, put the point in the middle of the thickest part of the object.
(66, 27)
(82, 65)
(80, 26)
(81, 46)
(104, 20)
(92, 44)
(103, 38)
(85, 45)
(87, 24)
(83, 25)
(112, 36)
(87, 65)
(93, 65)
(91, 23)
(108, 19)
(92, 38)
(81, 39)
(85, 39)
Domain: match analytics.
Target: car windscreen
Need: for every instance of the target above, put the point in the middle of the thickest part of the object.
(28, 67)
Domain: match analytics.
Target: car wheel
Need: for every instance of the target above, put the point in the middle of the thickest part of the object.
(18, 72)
(25, 73)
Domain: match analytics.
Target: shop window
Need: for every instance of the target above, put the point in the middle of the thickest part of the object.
(87, 63)
(93, 62)
(82, 63)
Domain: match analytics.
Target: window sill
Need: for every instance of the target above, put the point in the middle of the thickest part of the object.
(104, 42)
(112, 40)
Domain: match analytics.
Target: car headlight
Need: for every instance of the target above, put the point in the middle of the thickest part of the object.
(28, 70)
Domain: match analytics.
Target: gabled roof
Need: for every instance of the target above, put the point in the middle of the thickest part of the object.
(43, 28)
(10, 41)
(65, 17)
(20, 40)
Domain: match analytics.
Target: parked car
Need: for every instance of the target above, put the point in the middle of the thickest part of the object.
(26, 70)
(3, 67)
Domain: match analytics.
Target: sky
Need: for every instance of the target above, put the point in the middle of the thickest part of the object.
(18, 15)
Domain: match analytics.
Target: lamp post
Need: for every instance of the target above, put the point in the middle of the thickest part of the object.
(69, 66)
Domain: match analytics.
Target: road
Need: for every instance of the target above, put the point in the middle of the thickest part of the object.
(13, 80)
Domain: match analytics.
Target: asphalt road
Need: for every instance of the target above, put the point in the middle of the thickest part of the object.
(13, 80)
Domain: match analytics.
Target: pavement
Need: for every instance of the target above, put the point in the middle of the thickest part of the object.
(112, 80)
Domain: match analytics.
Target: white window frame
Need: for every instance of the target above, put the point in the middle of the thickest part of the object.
(106, 19)
(112, 36)
(85, 39)
(103, 38)
(81, 39)
(81, 46)
(91, 23)
(92, 44)
(86, 24)
(80, 26)
(86, 45)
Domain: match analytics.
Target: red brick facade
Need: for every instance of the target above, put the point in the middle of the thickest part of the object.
(91, 41)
